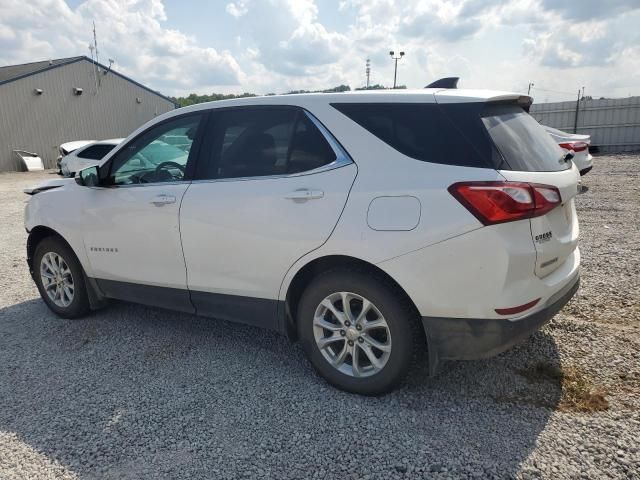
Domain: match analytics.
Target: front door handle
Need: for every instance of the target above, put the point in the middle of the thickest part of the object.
(305, 194)
(163, 199)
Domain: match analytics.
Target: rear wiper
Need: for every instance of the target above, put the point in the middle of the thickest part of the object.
(567, 156)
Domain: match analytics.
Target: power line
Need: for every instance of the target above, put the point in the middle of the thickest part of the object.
(551, 91)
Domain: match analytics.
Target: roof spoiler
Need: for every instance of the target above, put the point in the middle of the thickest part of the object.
(447, 82)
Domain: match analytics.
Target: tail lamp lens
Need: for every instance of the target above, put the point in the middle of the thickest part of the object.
(500, 202)
(575, 146)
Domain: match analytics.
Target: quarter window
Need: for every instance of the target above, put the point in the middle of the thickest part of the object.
(257, 142)
(158, 155)
(418, 130)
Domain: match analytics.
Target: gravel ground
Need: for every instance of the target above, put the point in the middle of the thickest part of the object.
(136, 392)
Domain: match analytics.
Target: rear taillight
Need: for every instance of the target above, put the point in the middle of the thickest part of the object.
(575, 146)
(500, 202)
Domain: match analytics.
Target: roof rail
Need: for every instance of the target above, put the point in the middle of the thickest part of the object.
(447, 82)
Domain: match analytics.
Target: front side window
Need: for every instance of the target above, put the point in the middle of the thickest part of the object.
(258, 142)
(158, 155)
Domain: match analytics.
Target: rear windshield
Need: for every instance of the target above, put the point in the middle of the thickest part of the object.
(522, 142)
(503, 137)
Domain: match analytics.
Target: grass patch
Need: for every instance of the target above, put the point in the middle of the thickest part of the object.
(579, 393)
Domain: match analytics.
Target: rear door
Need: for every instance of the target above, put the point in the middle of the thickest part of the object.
(270, 186)
(534, 157)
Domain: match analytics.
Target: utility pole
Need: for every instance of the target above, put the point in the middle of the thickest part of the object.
(395, 72)
(95, 41)
(575, 122)
(531, 84)
(368, 71)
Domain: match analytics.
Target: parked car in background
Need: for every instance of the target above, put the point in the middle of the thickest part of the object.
(372, 226)
(573, 142)
(87, 155)
(68, 147)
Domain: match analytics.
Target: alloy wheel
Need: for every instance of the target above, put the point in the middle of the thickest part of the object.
(57, 279)
(352, 334)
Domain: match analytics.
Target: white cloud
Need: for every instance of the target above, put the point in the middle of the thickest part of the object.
(130, 31)
(280, 45)
(236, 9)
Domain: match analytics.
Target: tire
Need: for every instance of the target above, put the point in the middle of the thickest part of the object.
(67, 271)
(401, 335)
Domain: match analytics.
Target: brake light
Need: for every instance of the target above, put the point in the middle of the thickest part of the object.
(575, 146)
(500, 202)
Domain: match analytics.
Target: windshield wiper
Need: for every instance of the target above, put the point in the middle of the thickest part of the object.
(567, 156)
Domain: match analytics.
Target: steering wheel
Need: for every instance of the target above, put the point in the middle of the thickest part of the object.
(160, 169)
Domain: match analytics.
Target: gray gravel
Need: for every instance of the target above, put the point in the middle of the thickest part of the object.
(136, 392)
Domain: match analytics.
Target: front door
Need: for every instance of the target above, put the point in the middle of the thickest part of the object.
(269, 188)
(131, 226)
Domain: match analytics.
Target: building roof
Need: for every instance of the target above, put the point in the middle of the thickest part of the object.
(11, 73)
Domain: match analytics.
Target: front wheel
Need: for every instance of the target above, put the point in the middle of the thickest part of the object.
(359, 332)
(60, 280)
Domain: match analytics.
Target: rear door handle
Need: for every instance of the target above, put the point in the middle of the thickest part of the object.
(163, 199)
(305, 194)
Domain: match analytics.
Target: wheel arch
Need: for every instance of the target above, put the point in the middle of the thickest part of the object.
(36, 235)
(305, 275)
(39, 233)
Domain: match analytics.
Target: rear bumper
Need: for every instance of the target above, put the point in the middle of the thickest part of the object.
(470, 339)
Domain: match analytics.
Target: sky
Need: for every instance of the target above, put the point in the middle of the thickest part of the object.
(231, 46)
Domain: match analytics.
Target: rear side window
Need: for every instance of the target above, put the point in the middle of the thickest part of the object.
(418, 130)
(96, 152)
(258, 142)
(521, 141)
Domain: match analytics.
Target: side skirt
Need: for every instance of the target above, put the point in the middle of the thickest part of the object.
(259, 312)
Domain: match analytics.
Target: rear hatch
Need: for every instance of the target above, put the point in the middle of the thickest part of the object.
(530, 155)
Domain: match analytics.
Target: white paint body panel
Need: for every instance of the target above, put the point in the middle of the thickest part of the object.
(243, 237)
(147, 237)
(401, 213)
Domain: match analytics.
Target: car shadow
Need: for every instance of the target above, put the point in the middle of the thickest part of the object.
(133, 391)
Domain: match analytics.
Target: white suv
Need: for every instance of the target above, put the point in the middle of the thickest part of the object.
(372, 226)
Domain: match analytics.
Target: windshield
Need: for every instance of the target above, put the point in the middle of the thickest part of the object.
(521, 141)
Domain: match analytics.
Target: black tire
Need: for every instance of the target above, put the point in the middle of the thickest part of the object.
(79, 305)
(399, 313)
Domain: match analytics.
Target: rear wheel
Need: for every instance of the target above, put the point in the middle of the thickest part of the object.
(358, 331)
(60, 279)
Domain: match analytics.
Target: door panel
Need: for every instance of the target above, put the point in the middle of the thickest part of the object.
(241, 236)
(132, 234)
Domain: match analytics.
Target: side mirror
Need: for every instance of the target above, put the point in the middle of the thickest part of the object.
(88, 177)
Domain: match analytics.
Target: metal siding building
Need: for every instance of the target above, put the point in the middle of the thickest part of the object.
(613, 123)
(39, 123)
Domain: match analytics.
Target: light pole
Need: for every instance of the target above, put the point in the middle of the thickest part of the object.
(395, 72)
(368, 71)
(531, 84)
